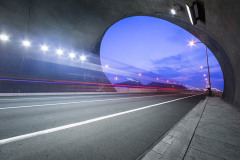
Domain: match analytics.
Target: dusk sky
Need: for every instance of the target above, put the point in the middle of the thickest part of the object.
(155, 48)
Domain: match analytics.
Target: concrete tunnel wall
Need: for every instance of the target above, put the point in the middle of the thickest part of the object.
(81, 25)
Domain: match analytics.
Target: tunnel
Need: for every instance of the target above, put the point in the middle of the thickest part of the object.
(82, 25)
(57, 103)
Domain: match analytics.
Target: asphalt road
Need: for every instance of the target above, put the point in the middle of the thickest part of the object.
(113, 126)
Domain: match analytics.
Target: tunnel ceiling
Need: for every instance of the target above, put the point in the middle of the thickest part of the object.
(82, 24)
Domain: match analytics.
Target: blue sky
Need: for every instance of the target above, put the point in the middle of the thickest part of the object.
(156, 48)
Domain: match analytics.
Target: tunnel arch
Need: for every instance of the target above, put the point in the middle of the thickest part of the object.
(82, 24)
(204, 37)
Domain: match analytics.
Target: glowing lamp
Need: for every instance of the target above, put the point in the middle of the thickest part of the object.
(72, 55)
(4, 37)
(192, 43)
(26, 43)
(59, 51)
(44, 48)
(175, 9)
(83, 58)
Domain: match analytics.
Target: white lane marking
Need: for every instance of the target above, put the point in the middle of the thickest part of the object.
(34, 134)
(39, 105)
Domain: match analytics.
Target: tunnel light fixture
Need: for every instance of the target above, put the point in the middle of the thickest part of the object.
(82, 58)
(59, 51)
(173, 11)
(72, 55)
(4, 37)
(44, 48)
(106, 66)
(192, 10)
(26, 43)
(175, 8)
(139, 74)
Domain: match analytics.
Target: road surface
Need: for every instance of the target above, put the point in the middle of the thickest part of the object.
(109, 126)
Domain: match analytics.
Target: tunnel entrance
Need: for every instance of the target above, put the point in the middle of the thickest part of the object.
(156, 48)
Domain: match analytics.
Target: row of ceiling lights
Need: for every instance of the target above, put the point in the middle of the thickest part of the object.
(191, 8)
(192, 13)
(26, 43)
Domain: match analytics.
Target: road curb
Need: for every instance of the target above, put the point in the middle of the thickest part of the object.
(174, 144)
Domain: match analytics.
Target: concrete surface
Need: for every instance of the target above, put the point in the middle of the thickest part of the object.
(125, 136)
(218, 132)
(81, 25)
(209, 131)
